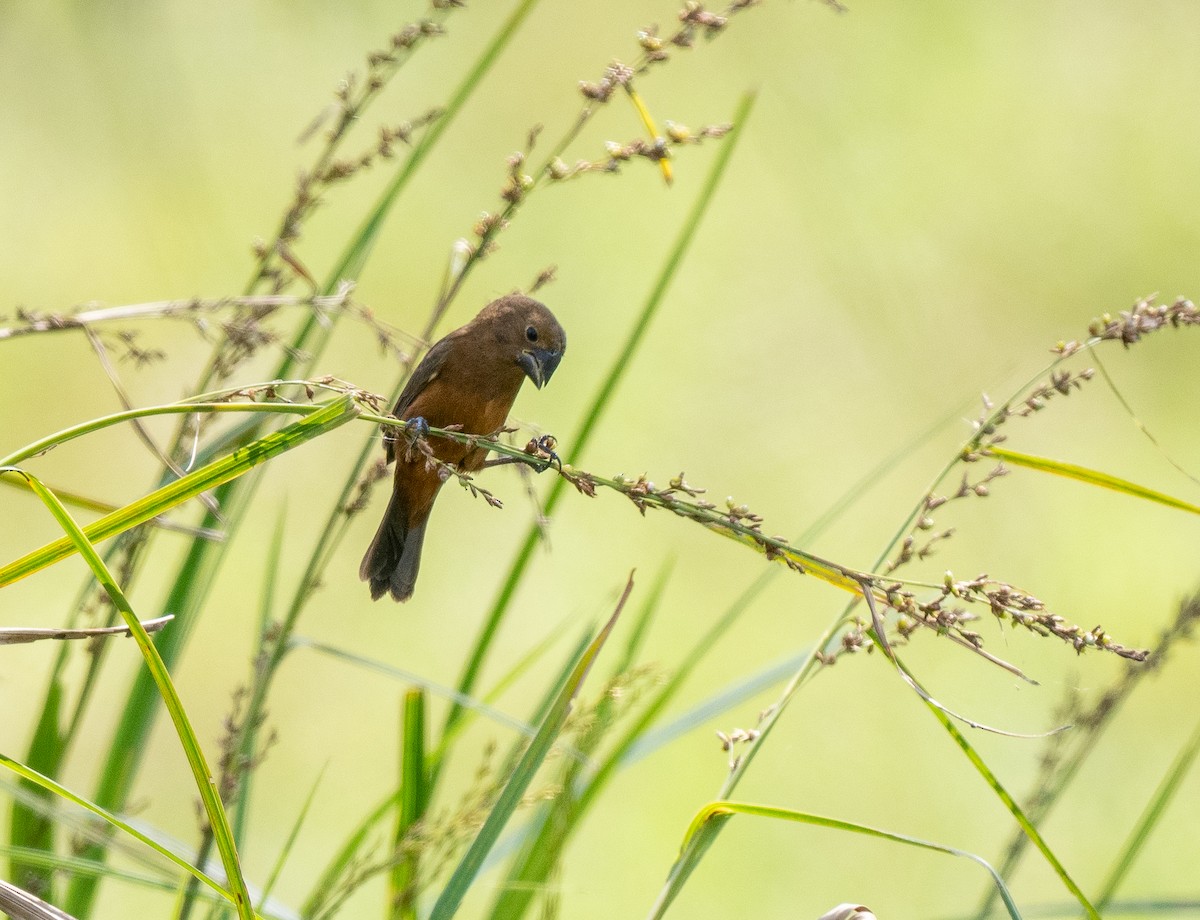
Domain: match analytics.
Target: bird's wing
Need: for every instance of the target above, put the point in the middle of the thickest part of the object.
(424, 375)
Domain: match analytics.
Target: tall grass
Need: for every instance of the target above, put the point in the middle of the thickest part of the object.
(431, 837)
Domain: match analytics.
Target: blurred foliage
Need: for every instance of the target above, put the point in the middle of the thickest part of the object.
(928, 197)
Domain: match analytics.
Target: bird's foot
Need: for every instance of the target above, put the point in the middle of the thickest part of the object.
(416, 427)
(543, 448)
(416, 430)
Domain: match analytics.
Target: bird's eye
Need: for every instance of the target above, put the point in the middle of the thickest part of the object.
(531, 334)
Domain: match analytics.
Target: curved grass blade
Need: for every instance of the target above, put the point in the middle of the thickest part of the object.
(703, 831)
(510, 796)
(326, 418)
(52, 738)
(203, 776)
(42, 445)
(44, 782)
(1091, 477)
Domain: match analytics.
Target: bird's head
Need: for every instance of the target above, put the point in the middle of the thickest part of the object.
(537, 337)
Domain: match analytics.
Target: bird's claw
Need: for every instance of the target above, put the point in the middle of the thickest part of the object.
(417, 427)
(543, 448)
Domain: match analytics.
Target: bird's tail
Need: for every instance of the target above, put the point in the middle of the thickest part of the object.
(394, 556)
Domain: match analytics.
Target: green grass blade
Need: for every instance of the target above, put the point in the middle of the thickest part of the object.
(360, 836)
(552, 827)
(510, 796)
(86, 503)
(44, 782)
(29, 827)
(1155, 809)
(1014, 809)
(711, 817)
(1091, 477)
(203, 776)
(638, 740)
(625, 356)
(241, 461)
(414, 800)
(158, 882)
(186, 599)
(250, 723)
(74, 865)
(107, 421)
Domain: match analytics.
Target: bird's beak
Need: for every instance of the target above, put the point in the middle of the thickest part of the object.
(539, 365)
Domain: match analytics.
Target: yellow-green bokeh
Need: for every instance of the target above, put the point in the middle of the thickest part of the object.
(927, 198)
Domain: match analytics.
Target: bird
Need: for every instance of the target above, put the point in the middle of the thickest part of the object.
(469, 378)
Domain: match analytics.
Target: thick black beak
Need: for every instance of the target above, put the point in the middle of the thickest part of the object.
(539, 365)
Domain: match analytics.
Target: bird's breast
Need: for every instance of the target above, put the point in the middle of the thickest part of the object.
(479, 407)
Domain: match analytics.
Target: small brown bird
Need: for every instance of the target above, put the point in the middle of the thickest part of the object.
(469, 378)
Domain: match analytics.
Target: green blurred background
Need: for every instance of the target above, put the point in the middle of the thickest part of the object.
(927, 197)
